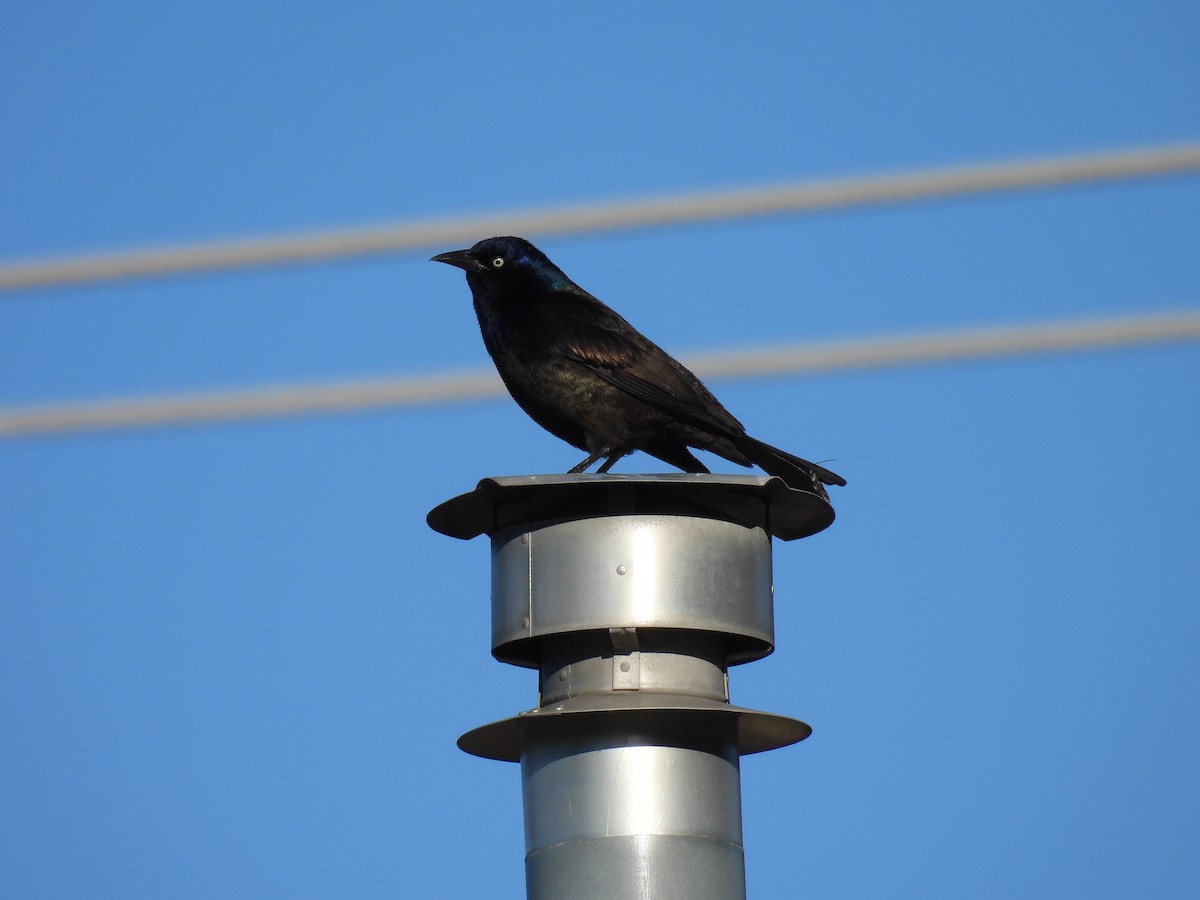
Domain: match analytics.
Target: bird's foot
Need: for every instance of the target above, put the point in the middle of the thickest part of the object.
(583, 466)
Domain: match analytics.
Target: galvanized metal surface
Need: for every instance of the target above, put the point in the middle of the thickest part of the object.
(630, 571)
(648, 806)
(643, 774)
(756, 731)
(658, 661)
(637, 867)
(632, 596)
(754, 500)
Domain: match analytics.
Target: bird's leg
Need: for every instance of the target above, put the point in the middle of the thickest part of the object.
(583, 466)
(608, 463)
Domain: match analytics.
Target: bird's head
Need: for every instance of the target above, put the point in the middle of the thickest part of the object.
(502, 264)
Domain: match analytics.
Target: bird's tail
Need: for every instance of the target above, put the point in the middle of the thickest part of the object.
(797, 472)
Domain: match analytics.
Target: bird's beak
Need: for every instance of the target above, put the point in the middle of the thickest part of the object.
(462, 259)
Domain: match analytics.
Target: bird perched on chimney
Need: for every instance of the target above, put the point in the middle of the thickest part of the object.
(590, 378)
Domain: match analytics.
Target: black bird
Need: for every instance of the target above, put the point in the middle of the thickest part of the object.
(589, 377)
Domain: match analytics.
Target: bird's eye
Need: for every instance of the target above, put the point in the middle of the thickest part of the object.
(498, 262)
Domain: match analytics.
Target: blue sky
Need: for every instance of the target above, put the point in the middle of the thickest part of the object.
(233, 659)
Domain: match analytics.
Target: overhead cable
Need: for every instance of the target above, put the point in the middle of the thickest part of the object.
(461, 387)
(807, 196)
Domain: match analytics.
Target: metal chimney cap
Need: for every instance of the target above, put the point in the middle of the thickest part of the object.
(506, 501)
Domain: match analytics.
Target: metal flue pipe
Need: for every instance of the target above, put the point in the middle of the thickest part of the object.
(632, 596)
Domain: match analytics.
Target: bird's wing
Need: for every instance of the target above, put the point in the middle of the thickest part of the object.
(600, 339)
(601, 350)
(659, 381)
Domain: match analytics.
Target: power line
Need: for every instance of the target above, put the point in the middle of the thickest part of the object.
(808, 196)
(795, 359)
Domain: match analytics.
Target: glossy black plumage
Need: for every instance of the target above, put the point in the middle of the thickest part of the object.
(589, 377)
